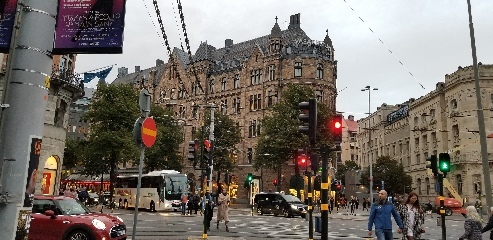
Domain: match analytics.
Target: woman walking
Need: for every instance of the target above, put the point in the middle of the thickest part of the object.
(223, 208)
(412, 217)
(472, 225)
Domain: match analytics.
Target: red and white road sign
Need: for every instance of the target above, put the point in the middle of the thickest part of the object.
(149, 132)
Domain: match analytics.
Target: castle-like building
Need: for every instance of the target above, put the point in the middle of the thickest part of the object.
(244, 80)
(444, 120)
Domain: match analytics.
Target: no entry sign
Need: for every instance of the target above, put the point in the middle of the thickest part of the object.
(149, 132)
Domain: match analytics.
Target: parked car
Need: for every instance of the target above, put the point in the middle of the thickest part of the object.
(60, 217)
(280, 204)
(92, 200)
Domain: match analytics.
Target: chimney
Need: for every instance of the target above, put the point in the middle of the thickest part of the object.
(294, 21)
(228, 42)
(159, 62)
(122, 72)
(137, 69)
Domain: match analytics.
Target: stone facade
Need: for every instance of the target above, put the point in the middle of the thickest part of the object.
(349, 145)
(244, 80)
(444, 120)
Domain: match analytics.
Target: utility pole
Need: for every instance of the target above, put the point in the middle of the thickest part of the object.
(23, 121)
(324, 206)
(442, 207)
(482, 128)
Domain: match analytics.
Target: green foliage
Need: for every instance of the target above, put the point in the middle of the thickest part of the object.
(280, 138)
(343, 168)
(391, 172)
(112, 115)
(163, 154)
(71, 154)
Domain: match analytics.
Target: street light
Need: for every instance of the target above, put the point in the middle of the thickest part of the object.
(369, 89)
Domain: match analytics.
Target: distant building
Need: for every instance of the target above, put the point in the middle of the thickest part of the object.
(78, 127)
(349, 145)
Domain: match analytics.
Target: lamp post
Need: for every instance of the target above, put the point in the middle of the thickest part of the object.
(369, 89)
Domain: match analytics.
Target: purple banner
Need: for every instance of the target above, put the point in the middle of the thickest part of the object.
(89, 26)
(7, 17)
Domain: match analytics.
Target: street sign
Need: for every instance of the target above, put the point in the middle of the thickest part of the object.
(144, 102)
(149, 132)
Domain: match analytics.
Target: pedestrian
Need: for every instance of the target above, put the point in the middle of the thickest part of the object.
(357, 203)
(489, 226)
(207, 206)
(472, 225)
(190, 204)
(331, 205)
(352, 205)
(196, 201)
(70, 192)
(412, 217)
(223, 208)
(380, 215)
(364, 205)
(184, 200)
(429, 209)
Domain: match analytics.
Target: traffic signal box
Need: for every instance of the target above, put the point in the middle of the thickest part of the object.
(309, 116)
(248, 180)
(207, 154)
(336, 128)
(193, 147)
(275, 182)
(444, 163)
(433, 164)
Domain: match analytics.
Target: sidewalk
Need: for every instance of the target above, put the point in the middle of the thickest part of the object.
(215, 238)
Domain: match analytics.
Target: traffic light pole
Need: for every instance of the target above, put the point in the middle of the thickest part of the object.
(442, 206)
(324, 206)
(310, 205)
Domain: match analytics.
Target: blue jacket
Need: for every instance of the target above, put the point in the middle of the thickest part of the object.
(380, 216)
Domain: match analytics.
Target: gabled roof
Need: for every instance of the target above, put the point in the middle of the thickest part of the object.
(352, 126)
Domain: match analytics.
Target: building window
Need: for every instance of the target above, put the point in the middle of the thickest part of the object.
(434, 139)
(256, 77)
(319, 95)
(250, 155)
(224, 106)
(297, 69)
(236, 105)
(453, 104)
(258, 127)
(259, 100)
(272, 72)
(236, 81)
(432, 113)
(427, 181)
(250, 129)
(211, 86)
(252, 108)
(194, 112)
(418, 182)
(320, 71)
(223, 84)
(416, 119)
(418, 158)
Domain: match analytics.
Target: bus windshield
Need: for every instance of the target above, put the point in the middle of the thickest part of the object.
(175, 185)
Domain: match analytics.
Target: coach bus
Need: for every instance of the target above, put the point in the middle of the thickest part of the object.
(158, 191)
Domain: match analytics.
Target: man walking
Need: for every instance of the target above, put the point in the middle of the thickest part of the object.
(380, 215)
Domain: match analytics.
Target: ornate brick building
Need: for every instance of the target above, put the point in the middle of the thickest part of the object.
(444, 120)
(244, 80)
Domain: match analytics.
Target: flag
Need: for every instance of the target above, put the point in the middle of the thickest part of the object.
(101, 75)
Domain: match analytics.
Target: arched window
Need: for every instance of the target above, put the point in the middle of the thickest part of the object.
(418, 182)
(211, 86)
(427, 180)
(320, 71)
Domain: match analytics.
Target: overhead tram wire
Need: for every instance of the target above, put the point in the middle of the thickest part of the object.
(168, 48)
(409, 71)
(153, 24)
(187, 43)
(177, 26)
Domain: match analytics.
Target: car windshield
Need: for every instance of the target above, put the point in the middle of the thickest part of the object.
(291, 199)
(72, 207)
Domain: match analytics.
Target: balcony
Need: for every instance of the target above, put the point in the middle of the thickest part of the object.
(65, 78)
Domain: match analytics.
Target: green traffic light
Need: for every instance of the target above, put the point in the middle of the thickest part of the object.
(444, 166)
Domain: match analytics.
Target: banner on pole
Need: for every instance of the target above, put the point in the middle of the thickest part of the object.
(90, 26)
(7, 19)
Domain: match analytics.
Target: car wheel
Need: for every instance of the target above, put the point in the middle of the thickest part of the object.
(286, 213)
(448, 212)
(79, 235)
(259, 211)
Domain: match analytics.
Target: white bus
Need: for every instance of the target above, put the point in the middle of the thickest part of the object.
(158, 191)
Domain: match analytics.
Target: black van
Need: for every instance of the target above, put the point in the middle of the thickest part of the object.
(279, 204)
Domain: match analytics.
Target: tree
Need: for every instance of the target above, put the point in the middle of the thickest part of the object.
(112, 116)
(71, 154)
(342, 169)
(280, 138)
(163, 154)
(391, 172)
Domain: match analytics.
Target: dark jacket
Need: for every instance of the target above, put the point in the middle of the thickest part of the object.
(488, 227)
(380, 215)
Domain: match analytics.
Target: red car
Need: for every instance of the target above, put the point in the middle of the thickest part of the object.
(65, 218)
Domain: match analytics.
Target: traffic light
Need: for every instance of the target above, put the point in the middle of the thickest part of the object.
(433, 164)
(275, 182)
(227, 178)
(207, 152)
(333, 185)
(248, 180)
(318, 183)
(336, 128)
(310, 118)
(338, 186)
(302, 161)
(314, 162)
(192, 152)
(444, 162)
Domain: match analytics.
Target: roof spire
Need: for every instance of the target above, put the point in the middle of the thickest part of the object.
(276, 19)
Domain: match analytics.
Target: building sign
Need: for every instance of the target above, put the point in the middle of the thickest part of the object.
(398, 114)
(89, 26)
(7, 18)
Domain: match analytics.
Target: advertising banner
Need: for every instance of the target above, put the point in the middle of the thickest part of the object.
(7, 19)
(89, 26)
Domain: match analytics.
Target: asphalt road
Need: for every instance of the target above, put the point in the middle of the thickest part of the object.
(173, 225)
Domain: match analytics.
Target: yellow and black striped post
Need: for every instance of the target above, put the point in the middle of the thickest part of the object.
(310, 205)
(324, 206)
(442, 206)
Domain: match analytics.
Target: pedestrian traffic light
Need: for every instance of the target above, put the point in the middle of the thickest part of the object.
(444, 162)
(336, 128)
(207, 152)
(310, 118)
(192, 152)
(248, 180)
(433, 164)
(275, 182)
(318, 183)
(314, 162)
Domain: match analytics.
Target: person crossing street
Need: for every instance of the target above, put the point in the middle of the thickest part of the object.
(223, 208)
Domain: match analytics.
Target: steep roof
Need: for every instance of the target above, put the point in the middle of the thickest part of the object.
(352, 126)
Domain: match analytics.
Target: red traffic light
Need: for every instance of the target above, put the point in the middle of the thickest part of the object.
(336, 128)
(337, 125)
(274, 182)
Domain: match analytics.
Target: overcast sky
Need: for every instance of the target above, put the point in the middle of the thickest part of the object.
(430, 37)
